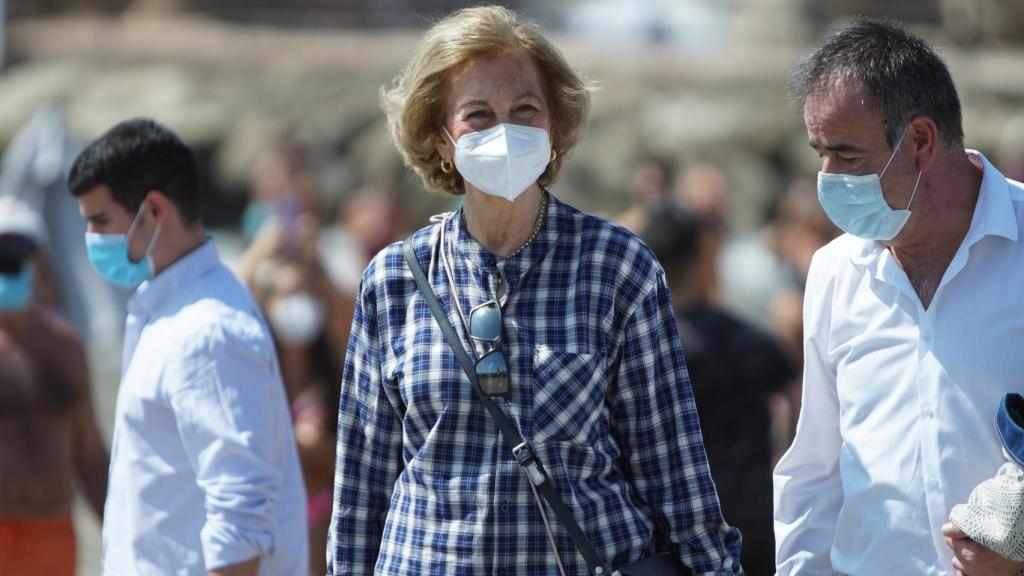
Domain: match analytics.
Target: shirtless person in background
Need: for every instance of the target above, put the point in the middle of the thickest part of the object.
(48, 433)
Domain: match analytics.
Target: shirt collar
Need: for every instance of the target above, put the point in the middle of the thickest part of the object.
(475, 255)
(155, 291)
(993, 214)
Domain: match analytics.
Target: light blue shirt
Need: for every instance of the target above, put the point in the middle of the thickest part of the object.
(204, 471)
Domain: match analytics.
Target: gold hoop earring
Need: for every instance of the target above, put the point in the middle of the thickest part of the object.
(554, 154)
(446, 166)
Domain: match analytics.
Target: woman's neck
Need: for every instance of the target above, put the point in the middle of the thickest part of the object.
(501, 226)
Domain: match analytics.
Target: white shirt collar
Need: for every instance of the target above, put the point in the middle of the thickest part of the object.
(993, 214)
(155, 291)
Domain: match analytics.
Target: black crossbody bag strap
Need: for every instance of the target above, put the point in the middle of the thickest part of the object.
(522, 451)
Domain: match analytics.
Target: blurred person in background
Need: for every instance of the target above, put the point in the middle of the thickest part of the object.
(375, 217)
(703, 188)
(798, 229)
(489, 110)
(283, 268)
(736, 370)
(649, 182)
(48, 433)
(205, 476)
(913, 321)
(309, 319)
(283, 186)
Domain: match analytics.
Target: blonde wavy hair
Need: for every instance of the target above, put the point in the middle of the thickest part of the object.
(415, 102)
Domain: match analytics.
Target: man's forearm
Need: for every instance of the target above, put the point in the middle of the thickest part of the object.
(247, 568)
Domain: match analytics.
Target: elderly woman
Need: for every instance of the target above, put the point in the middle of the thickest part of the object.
(570, 322)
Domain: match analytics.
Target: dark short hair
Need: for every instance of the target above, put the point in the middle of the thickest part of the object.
(137, 156)
(897, 69)
(673, 234)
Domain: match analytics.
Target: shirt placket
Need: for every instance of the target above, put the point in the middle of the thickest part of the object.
(501, 501)
(932, 381)
(929, 381)
(511, 496)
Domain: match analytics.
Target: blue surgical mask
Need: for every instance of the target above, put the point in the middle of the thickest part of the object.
(16, 289)
(857, 206)
(108, 254)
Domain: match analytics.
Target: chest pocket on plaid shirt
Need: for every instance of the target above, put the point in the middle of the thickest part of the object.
(568, 400)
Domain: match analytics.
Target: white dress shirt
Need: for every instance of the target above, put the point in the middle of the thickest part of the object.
(899, 402)
(204, 471)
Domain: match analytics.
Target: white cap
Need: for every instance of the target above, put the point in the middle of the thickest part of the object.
(17, 217)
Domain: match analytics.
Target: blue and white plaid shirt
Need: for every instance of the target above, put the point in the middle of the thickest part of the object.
(425, 483)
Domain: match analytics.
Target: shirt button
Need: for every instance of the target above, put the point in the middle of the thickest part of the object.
(931, 483)
(504, 506)
(929, 413)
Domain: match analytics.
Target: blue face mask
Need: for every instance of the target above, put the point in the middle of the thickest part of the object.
(857, 206)
(108, 254)
(16, 289)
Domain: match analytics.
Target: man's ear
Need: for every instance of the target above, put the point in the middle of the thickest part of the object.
(924, 141)
(158, 206)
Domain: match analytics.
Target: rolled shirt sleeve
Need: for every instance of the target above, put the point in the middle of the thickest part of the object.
(658, 427)
(227, 423)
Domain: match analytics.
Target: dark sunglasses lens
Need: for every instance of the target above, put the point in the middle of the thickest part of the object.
(11, 263)
(10, 267)
(492, 373)
(485, 322)
(14, 251)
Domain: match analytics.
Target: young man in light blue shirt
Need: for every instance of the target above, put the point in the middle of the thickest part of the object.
(204, 475)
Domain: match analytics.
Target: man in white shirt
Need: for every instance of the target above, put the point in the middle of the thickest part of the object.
(913, 319)
(204, 475)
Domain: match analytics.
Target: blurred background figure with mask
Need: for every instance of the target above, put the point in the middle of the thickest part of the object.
(283, 186)
(736, 370)
(48, 433)
(309, 318)
(650, 181)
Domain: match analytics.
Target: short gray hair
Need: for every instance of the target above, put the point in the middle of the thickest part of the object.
(903, 75)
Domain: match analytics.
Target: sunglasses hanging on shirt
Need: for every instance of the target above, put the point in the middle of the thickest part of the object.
(491, 368)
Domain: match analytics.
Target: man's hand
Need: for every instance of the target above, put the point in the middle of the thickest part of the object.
(973, 559)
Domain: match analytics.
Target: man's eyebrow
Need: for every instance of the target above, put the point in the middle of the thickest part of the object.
(837, 147)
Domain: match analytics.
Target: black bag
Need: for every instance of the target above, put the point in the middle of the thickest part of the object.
(661, 564)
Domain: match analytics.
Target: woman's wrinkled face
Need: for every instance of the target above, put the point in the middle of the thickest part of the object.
(503, 88)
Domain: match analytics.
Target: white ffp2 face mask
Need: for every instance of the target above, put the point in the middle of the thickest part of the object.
(297, 318)
(503, 160)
